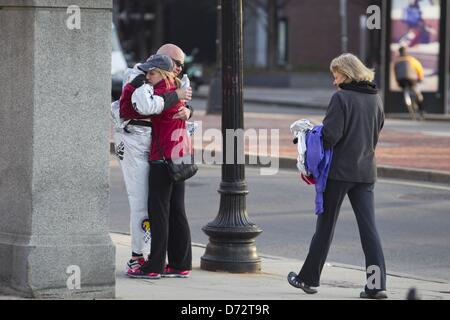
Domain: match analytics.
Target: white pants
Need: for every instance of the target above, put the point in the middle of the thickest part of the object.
(132, 150)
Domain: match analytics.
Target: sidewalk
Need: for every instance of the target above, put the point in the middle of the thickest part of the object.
(404, 150)
(316, 98)
(310, 98)
(339, 282)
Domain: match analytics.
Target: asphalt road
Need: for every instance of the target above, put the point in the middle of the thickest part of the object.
(413, 219)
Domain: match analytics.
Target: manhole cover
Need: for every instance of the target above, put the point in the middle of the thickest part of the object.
(426, 196)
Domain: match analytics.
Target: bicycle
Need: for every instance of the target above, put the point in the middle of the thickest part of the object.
(411, 102)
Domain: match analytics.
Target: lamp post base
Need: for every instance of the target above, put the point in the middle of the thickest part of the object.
(231, 249)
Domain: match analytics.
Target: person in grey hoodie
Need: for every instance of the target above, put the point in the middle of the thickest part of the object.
(351, 127)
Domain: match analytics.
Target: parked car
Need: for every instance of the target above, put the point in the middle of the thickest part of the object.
(118, 65)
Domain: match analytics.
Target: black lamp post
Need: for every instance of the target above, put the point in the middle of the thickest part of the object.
(232, 236)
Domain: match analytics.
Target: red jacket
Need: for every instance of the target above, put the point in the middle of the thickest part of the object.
(171, 133)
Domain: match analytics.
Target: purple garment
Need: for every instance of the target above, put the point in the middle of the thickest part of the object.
(318, 161)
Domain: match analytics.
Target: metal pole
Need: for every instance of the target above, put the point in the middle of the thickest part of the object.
(116, 12)
(385, 50)
(363, 34)
(445, 14)
(232, 236)
(272, 44)
(344, 33)
(214, 102)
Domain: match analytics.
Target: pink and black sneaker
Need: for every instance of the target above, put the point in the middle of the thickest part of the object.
(175, 273)
(133, 264)
(138, 273)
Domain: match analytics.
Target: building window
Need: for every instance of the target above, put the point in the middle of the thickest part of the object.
(282, 41)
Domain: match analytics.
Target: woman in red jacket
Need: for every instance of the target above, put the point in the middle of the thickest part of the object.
(166, 198)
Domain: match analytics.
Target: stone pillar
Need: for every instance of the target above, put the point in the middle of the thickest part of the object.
(55, 91)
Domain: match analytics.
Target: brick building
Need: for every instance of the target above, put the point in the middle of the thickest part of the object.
(314, 35)
(310, 35)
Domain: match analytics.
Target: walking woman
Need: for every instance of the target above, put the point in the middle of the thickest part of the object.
(351, 127)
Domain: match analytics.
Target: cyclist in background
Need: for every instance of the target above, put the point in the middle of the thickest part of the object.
(408, 73)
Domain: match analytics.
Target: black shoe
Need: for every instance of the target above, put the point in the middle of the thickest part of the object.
(296, 282)
(373, 295)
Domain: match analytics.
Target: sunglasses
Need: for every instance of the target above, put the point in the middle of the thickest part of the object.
(178, 63)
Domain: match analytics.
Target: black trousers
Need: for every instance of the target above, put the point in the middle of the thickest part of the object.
(168, 223)
(362, 200)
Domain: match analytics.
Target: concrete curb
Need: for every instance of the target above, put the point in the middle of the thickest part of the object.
(285, 103)
(433, 176)
(427, 117)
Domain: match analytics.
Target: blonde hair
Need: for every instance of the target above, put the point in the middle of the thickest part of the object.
(167, 76)
(350, 66)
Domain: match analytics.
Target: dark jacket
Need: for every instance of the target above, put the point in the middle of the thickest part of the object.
(351, 126)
